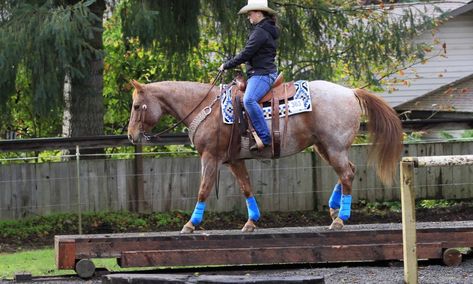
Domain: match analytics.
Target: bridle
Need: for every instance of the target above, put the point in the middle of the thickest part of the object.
(142, 113)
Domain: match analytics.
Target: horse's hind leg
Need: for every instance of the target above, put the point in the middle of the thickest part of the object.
(208, 174)
(340, 200)
(240, 172)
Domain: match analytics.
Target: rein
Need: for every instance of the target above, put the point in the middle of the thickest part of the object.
(143, 109)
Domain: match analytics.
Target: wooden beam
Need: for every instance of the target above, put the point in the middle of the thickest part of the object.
(440, 161)
(270, 255)
(65, 253)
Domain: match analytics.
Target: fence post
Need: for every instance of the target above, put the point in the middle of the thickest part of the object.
(408, 222)
(79, 209)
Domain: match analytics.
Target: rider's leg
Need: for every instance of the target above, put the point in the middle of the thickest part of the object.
(258, 86)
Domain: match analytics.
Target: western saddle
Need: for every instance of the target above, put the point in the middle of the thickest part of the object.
(279, 92)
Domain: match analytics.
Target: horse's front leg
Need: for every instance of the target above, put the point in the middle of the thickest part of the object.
(209, 170)
(238, 169)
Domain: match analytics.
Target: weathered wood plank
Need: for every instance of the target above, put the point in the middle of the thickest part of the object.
(271, 255)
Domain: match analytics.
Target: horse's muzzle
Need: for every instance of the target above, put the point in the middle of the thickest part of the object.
(132, 140)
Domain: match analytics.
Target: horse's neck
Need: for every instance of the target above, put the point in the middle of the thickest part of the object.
(181, 98)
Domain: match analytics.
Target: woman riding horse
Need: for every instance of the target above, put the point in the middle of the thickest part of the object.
(258, 55)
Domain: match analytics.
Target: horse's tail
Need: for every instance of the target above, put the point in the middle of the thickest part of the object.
(385, 131)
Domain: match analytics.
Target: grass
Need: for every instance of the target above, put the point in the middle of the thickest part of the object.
(42, 263)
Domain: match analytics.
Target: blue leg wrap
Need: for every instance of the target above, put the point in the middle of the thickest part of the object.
(345, 207)
(253, 210)
(334, 201)
(198, 214)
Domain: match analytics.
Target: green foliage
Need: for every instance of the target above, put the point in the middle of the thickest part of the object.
(380, 207)
(431, 204)
(175, 25)
(467, 134)
(43, 41)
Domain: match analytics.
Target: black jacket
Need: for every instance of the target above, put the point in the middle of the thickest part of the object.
(260, 50)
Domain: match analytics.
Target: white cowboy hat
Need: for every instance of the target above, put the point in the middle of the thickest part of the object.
(257, 5)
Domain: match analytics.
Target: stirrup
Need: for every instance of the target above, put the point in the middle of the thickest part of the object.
(259, 143)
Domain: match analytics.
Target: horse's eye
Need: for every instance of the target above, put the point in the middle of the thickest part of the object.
(136, 107)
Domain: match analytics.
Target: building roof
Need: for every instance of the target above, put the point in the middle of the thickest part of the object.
(442, 69)
(453, 97)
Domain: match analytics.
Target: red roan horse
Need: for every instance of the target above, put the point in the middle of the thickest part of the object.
(330, 128)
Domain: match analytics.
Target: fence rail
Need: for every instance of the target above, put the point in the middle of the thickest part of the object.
(300, 182)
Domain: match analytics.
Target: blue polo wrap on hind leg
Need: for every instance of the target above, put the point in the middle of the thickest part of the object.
(253, 210)
(198, 214)
(345, 207)
(334, 201)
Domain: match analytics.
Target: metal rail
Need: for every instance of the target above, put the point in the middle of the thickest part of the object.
(39, 144)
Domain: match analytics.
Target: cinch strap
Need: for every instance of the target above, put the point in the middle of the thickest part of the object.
(198, 214)
(334, 201)
(345, 207)
(253, 211)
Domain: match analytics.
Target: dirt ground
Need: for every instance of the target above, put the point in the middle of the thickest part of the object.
(222, 221)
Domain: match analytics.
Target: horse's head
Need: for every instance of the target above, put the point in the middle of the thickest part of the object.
(145, 112)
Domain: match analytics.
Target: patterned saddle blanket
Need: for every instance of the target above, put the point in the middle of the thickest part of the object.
(300, 102)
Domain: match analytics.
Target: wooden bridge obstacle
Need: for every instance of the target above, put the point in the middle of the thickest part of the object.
(408, 196)
(355, 243)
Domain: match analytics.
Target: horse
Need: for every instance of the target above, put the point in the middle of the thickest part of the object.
(330, 128)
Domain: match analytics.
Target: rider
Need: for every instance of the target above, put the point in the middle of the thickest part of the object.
(259, 56)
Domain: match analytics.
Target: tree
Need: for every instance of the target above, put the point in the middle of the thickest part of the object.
(50, 42)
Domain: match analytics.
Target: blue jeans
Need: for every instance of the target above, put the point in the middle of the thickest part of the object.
(257, 87)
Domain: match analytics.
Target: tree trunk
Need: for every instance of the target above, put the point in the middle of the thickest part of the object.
(84, 108)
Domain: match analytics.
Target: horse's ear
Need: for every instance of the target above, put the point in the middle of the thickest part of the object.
(137, 85)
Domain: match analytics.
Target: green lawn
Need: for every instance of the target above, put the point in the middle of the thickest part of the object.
(41, 263)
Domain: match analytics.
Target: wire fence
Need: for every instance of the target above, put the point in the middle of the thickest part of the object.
(296, 183)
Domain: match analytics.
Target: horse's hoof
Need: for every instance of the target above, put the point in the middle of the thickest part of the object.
(334, 213)
(188, 228)
(337, 224)
(249, 227)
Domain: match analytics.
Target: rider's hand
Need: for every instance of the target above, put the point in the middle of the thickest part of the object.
(221, 67)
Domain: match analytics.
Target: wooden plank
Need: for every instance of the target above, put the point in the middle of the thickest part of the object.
(468, 148)
(457, 188)
(270, 255)
(305, 182)
(84, 185)
(63, 186)
(167, 176)
(103, 198)
(7, 183)
(152, 183)
(110, 172)
(420, 174)
(93, 197)
(43, 188)
(123, 199)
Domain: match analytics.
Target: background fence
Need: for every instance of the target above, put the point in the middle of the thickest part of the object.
(300, 182)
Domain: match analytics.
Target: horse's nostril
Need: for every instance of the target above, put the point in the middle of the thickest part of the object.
(130, 137)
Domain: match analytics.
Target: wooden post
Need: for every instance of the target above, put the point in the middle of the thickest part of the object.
(79, 205)
(408, 222)
(139, 193)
